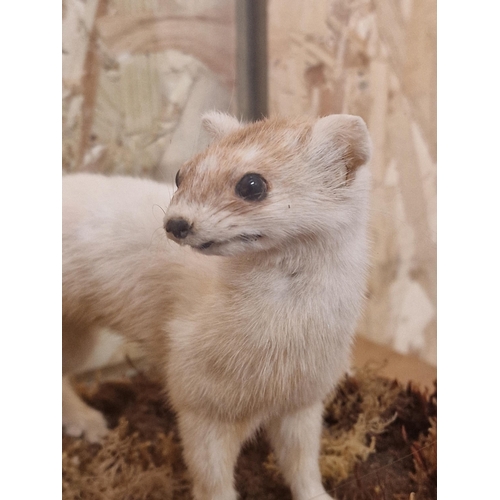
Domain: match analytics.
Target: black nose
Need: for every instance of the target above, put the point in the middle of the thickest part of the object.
(180, 228)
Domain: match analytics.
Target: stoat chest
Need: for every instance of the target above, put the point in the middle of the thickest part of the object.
(273, 339)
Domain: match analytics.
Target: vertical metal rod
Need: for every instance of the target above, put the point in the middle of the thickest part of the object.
(251, 59)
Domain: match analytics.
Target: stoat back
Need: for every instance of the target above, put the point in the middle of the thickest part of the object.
(119, 269)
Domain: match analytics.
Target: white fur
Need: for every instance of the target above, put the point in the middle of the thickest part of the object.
(219, 124)
(257, 332)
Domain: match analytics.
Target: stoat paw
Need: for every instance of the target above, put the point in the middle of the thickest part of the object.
(89, 423)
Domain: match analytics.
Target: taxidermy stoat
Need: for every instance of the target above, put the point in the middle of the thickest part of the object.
(249, 307)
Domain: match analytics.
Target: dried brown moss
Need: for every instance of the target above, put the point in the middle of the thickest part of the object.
(379, 442)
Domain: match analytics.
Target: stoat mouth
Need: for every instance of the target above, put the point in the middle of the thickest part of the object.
(241, 237)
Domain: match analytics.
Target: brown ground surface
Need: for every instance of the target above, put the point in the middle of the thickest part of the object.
(379, 442)
(391, 364)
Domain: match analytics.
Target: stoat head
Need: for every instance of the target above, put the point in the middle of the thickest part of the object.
(263, 185)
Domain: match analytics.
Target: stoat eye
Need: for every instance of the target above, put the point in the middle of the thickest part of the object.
(177, 178)
(252, 187)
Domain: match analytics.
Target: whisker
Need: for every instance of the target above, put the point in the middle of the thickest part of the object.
(159, 206)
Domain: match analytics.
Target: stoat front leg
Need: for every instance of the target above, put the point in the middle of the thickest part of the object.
(211, 448)
(296, 441)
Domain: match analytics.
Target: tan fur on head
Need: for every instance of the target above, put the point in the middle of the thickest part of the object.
(289, 154)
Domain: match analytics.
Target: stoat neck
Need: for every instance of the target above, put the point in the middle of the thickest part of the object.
(313, 285)
(301, 261)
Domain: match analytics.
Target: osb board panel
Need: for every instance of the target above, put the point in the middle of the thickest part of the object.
(390, 364)
(376, 59)
(137, 75)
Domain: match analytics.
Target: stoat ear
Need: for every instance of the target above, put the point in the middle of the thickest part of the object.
(219, 124)
(341, 138)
